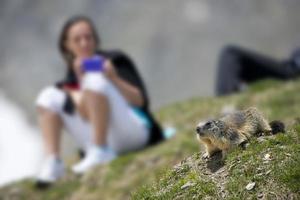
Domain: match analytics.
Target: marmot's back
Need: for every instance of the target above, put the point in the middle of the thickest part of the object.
(236, 120)
(248, 122)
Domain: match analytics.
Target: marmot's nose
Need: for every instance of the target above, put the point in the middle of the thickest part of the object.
(198, 129)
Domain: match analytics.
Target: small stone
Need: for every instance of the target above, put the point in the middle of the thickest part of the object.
(250, 186)
(188, 184)
(221, 170)
(261, 139)
(260, 174)
(259, 169)
(268, 172)
(267, 157)
(260, 195)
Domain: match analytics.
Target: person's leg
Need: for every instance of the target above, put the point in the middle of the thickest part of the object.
(228, 71)
(114, 126)
(256, 66)
(97, 113)
(50, 124)
(238, 65)
(125, 130)
(49, 103)
(94, 108)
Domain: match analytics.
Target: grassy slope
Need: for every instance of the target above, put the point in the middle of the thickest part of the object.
(148, 174)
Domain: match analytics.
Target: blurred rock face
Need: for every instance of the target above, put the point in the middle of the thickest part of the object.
(175, 43)
(21, 148)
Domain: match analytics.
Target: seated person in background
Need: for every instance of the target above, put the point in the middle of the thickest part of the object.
(238, 67)
(107, 112)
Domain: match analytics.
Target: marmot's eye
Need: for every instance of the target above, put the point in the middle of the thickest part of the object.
(208, 124)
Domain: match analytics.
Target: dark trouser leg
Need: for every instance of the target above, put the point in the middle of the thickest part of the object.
(228, 80)
(237, 65)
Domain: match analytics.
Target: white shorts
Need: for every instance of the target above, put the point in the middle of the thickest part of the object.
(126, 130)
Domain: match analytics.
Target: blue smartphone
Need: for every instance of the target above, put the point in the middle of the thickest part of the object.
(93, 64)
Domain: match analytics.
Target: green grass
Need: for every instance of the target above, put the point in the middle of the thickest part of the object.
(268, 175)
(170, 186)
(150, 173)
(277, 178)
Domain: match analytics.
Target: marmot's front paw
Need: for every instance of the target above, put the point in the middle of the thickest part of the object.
(205, 156)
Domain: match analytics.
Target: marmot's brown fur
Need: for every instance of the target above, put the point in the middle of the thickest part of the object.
(234, 129)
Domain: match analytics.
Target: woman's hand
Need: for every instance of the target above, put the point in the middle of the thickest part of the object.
(132, 94)
(110, 71)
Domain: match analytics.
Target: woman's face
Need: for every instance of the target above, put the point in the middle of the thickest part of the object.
(80, 40)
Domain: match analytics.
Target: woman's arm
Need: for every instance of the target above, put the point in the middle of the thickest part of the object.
(132, 94)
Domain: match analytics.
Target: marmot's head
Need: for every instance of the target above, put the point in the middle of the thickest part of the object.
(212, 128)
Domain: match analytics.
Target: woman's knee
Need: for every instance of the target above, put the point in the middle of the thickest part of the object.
(96, 82)
(51, 98)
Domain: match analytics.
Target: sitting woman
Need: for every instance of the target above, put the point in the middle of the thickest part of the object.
(107, 111)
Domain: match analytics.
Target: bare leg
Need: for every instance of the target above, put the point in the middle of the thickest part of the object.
(95, 108)
(51, 125)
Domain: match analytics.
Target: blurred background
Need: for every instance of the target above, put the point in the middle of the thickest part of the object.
(174, 43)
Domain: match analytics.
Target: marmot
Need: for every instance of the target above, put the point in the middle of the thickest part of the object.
(234, 129)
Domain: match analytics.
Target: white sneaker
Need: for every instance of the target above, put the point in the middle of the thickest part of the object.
(95, 156)
(52, 170)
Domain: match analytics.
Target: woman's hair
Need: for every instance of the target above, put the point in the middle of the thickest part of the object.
(67, 55)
